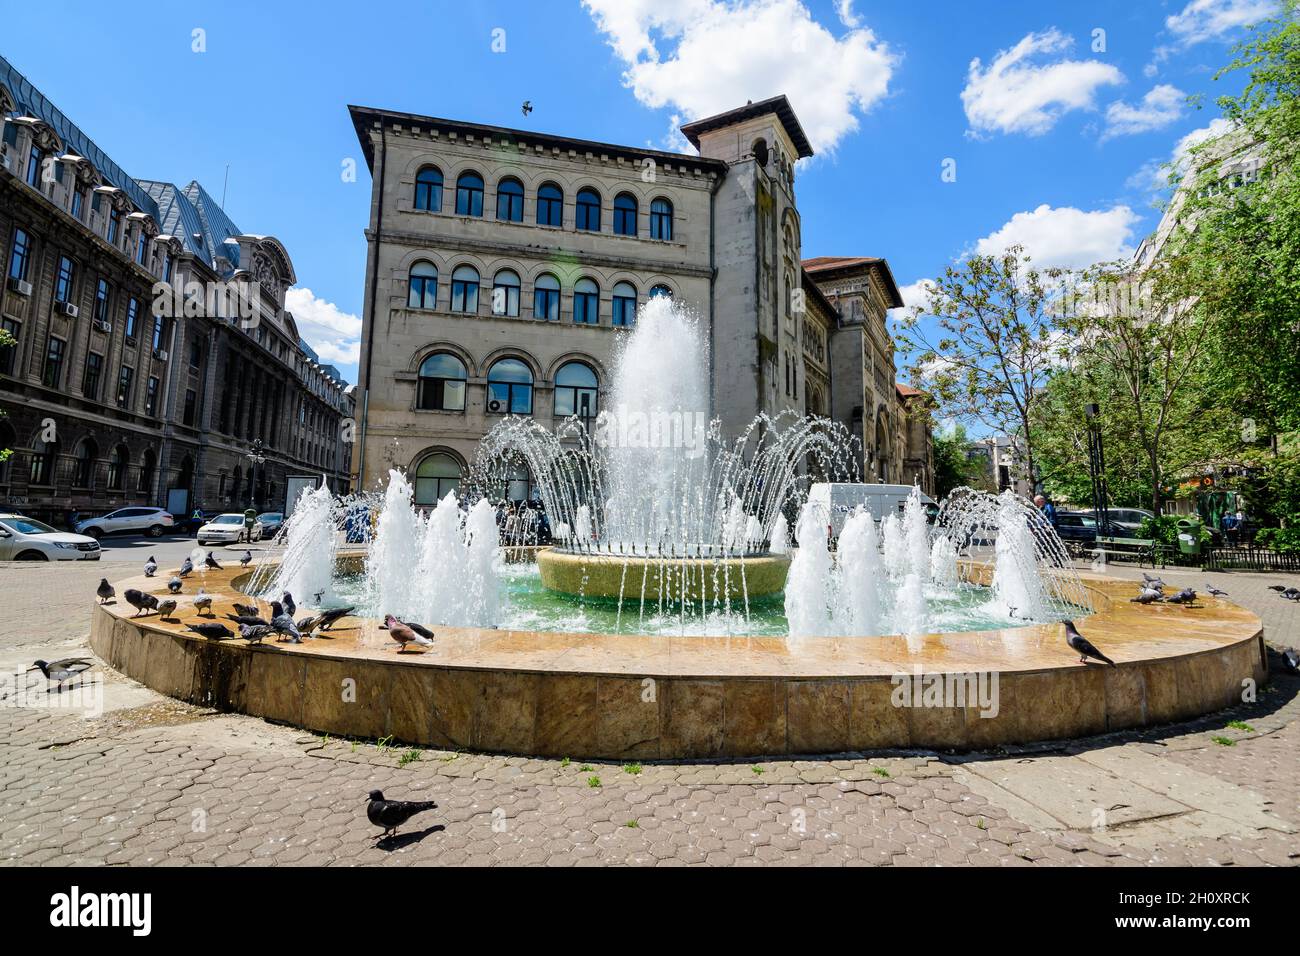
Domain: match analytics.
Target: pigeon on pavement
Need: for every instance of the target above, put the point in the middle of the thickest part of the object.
(253, 633)
(105, 591)
(391, 814)
(60, 671)
(244, 561)
(211, 562)
(175, 585)
(166, 607)
(1148, 596)
(203, 602)
(282, 623)
(187, 566)
(1215, 592)
(246, 610)
(248, 620)
(150, 567)
(1083, 645)
(1185, 596)
(213, 630)
(329, 618)
(1291, 594)
(1291, 660)
(289, 606)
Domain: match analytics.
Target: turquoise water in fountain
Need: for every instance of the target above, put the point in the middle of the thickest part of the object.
(529, 606)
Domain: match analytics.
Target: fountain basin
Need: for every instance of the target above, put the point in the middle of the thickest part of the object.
(731, 580)
(620, 697)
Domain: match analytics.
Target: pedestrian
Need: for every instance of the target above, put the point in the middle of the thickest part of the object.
(1047, 508)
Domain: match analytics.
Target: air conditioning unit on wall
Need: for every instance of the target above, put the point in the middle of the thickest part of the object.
(102, 326)
(68, 309)
(20, 286)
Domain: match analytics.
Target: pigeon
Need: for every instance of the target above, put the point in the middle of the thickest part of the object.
(255, 632)
(306, 625)
(1083, 645)
(211, 562)
(331, 617)
(246, 610)
(212, 630)
(527, 107)
(248, 620)
(174, 585)
(187, 566)
(105, 591)
(1215, 592)
(1146, 597)
(203, 602)
(289, 605)
(140, 601)
(150, 567)
(1276, 587)
(419, 629)
(60, 671)
(1291, 594)
(391, 814)
(1185, 596)
(166, 608)
(244, 561)
(404, 634)
(1291, 660)
(282, 623)
(1153, 582)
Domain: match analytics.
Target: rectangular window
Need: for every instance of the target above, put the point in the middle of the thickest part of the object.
(94, 370)
(20, 256)
(63, 282)
(151, 396)
(191, 406)
(53, 372)
(103, 296)
(78, 203)
(132, 318)
(8, 353)
(114, 223)
(167, 268)
(196, 353)
(34, 167)
(157, 332)
(124, 381)
(141, 247)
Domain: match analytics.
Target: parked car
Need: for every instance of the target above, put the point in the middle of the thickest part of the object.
(26, 539)
(1081, 528)
(226, 529)
(154, 522)
(271, 522)
(1129, 520)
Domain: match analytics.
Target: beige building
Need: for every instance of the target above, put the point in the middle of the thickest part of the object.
(503, 263)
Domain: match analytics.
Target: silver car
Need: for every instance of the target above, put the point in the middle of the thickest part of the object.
(26, 539)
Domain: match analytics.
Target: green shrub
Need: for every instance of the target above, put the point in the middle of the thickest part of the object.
(1278, 539)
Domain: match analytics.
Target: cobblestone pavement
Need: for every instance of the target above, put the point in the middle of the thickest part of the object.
(155, 781)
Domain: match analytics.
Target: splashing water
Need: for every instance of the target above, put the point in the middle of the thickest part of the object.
(307, 567)
(809, 586)
(859, 562)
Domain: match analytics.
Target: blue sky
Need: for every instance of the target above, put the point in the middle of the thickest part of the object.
(1056, 131)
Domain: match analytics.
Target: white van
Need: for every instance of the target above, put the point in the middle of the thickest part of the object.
(837, 501)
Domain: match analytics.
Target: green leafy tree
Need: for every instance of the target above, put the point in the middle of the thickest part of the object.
(995, 345)
(953, 466)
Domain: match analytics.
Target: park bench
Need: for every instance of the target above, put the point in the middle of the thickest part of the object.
(1144, 549)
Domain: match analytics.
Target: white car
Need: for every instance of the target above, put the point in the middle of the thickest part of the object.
(154, 522)
(226, 529)
(26, 539)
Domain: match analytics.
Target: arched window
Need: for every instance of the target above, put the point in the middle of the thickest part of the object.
(422, 292)
(464, 289)
(428, 189)
(44, 454)
(510, 388)
(586, 302)
(510, 200)
(505, 293)
(147, 466)
(550, 205)
(625, 214)
(442, 383)
(661, 219)
(435, 476)
(117, 462)
(546, 298)
(576, 389)
(588, 215)
(659, 290)
(469, 195)
(624, 307)
(84, 455)
(519, 484)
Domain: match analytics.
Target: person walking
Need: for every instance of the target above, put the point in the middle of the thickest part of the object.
(1047, 508)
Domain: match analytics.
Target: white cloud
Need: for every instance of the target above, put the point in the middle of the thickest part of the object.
(1065, 237)
(702, 57)
(1183, 149)
(1204, 20)
(914, 294)
(333, 333)
(844, 10)
(1160, 107)
(1014, 95)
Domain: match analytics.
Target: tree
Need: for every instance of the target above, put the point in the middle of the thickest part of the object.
(952, 465)
(995, 347)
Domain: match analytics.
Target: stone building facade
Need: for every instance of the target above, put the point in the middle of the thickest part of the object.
(502, 264)
(125, 386)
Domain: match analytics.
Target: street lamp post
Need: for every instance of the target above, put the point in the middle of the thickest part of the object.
(256, 457)
(1097, 467)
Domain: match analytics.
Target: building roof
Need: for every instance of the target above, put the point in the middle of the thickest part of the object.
(779, 105)
(810, 285)
(364, 117)
(907, 391)
(824, 267)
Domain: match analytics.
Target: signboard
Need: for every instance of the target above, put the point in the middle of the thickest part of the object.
(293, 487)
